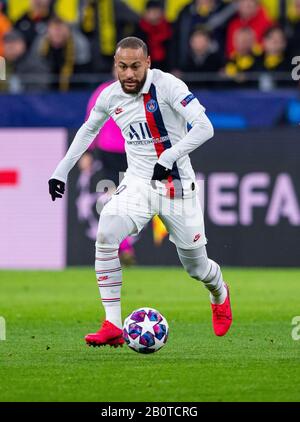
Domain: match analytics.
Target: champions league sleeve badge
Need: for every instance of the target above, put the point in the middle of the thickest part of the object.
(187, 100)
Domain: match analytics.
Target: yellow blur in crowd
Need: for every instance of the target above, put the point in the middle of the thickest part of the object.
(68, 9)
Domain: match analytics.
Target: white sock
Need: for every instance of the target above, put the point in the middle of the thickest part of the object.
(109, 279)
(215, 284)
(200, 267)
(219, 299)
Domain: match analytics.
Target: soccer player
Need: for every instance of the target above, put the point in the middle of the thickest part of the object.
(152, 109)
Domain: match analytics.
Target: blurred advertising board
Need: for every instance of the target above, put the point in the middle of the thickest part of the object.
(251, 195)
(32, 227)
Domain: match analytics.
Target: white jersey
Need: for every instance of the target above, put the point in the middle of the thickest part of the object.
(154, 125)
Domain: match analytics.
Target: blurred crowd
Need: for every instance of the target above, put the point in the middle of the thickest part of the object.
(208, 43)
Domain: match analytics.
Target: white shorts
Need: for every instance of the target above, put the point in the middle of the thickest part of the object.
(182, 217)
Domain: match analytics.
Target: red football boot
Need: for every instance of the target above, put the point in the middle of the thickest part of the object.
(222, 316)
(108, 334)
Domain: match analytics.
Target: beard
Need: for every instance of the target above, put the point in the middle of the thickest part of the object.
(136, 85)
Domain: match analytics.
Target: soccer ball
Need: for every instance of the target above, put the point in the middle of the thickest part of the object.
(145, 330)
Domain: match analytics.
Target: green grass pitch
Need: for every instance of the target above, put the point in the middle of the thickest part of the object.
(44, 357)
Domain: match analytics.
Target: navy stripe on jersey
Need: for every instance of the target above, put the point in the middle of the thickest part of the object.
(163, 132)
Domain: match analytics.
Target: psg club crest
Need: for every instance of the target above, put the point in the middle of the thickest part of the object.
(151, 105)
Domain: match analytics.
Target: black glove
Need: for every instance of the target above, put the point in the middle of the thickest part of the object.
(160, 172)
(56, 188)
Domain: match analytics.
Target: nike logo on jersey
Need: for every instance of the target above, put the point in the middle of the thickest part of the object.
(119, 110)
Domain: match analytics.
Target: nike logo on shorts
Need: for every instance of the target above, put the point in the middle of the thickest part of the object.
(197, 237)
